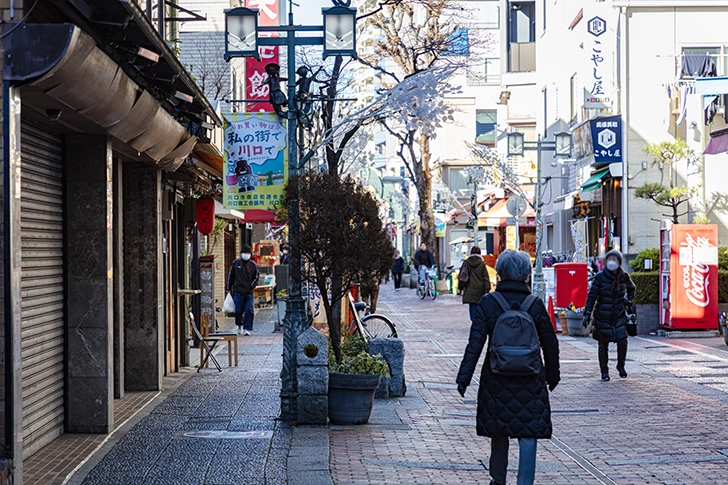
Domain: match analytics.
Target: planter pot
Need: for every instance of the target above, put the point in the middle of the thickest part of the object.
(564, 328)
(575, 327)
(351, 397)
(723, 328)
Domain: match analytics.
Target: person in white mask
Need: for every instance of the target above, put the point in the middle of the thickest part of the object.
(609, 301)
(241, 283)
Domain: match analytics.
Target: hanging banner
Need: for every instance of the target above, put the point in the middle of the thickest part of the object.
(578, 235)
(607, 139)
(599, 46)
(255, 76)
(255, 161)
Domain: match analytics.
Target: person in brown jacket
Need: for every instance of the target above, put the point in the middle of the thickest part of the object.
(478, 280)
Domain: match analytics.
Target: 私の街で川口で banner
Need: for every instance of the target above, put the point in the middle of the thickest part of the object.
(255, 162)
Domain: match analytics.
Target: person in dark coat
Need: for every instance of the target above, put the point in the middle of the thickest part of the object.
(478, 280)
(423, 260)
(610, 298)
(397, 270)
(241, 283)
(511, 407)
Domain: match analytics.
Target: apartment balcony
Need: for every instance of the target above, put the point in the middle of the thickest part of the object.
(522, 57)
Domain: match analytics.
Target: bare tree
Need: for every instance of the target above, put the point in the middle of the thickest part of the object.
(207, 66)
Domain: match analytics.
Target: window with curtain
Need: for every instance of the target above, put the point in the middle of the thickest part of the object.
(486, 121)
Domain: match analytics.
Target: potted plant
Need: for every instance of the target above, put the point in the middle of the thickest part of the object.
(562, 320)
(723, 326)
(353, 382)
(218, 231)
(574, 316)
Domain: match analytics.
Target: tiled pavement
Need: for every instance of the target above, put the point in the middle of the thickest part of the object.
(662, 425)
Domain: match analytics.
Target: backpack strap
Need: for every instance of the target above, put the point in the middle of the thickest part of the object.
(526, 304)
(501, 301)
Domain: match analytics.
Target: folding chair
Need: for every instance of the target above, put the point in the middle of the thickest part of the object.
(230, 337)
(208, 349)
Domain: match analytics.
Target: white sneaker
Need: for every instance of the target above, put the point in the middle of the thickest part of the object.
(240, 330)
(246, 333)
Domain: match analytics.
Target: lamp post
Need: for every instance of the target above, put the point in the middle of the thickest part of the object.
(561, 146)
(242, 39)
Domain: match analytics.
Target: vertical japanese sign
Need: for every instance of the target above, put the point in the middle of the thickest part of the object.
(255, 75)
(255, 161)
(599, 47)
(207, 297)
(578, 235)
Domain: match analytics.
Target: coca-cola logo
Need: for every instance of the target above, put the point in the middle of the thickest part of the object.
(695, 275)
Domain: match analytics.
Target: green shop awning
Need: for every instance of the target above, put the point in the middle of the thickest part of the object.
(595, 181)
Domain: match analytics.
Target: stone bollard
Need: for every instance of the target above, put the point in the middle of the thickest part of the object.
(313, 377)
(392, 349)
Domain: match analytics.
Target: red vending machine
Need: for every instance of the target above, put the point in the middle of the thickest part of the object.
(689, 276)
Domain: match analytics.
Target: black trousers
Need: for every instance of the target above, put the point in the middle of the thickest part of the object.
(604, 355)
(397, 280)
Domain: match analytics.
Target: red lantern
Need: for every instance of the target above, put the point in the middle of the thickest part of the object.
(205, 215)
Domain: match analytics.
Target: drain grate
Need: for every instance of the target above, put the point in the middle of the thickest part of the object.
(225, 435)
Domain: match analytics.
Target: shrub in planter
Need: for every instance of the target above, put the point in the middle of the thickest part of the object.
(638, 264)
(352, 383)
(647, 288)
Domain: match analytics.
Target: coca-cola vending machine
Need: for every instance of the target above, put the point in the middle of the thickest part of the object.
(689, 276)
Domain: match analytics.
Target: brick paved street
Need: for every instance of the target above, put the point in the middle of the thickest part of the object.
(662, 425)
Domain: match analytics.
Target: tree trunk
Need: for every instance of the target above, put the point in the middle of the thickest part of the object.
(424, 191)
(675, 215)
(334, 326)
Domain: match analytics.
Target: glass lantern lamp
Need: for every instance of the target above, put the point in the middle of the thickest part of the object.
(339, 31)
(241, 33)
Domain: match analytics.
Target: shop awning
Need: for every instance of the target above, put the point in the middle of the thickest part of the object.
(221, 211)
(497, 215)
(718, 142)
(259, 216)
(595, 181)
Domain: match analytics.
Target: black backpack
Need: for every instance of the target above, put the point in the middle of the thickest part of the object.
(464, 276)
(515, 350)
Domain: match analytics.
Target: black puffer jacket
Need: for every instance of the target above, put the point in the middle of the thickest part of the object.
(608, 306)
(478, 280)
(517, 407)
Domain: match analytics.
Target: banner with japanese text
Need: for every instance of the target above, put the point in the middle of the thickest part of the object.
(255, 75)
(607, 139)
(255, 161)
(600, 43)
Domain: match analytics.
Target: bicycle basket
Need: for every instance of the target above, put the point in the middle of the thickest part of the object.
(431, 273)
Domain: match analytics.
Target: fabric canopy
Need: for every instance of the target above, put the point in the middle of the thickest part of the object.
(258, 215)
(595, 181)
(717, 144)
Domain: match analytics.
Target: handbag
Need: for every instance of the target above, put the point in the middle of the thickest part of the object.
(632, 325)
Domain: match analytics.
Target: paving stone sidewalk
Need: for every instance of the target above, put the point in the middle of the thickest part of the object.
(664, 424)
(217, 428)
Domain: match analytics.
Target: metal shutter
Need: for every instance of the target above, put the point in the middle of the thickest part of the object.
(42, 298)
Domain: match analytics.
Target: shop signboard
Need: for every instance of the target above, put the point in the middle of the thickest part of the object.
(607, 139)
(255, 75)
(207, 285)
(255, 161)
(600, 42)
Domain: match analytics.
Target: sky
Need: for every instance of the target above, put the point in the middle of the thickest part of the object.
(308, 12)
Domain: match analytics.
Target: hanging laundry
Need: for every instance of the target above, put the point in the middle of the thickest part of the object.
(710, 104)
(685, 89)
(698, 65)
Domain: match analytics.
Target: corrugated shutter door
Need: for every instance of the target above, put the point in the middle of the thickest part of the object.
(42, 286)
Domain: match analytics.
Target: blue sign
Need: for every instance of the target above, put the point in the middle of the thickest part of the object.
(607, 139)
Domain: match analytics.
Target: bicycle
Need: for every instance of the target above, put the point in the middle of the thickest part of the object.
(372, 325)
(427, 287)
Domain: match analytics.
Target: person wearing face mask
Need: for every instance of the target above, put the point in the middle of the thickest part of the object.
(610, 299)
(284, 256)
(241, 283)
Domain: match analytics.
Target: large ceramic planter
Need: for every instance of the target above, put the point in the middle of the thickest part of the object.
(573, 324)
(723, 328)
(351, 397)
(564, 329)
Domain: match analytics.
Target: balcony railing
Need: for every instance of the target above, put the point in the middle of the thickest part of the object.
(522, 57)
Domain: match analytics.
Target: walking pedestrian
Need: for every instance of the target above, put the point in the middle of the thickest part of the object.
(284, 256)
(610, 298)
(369, 291)
(242, 280)
(397, 270)
(513, 398)
(478, 281)
(423, 260)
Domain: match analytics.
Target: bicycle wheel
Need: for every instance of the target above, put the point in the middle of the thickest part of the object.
(421, 291)
(431, 290)
(378, 326)
(354, 329)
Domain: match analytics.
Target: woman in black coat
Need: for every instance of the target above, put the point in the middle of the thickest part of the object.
(511, 407)
(397, 270)
(610, 298)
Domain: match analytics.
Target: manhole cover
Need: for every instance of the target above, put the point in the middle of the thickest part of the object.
(227, 435)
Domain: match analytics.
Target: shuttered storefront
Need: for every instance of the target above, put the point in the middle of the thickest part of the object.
(42, 297)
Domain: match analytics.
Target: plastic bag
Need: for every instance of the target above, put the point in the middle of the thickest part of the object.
(228, 305)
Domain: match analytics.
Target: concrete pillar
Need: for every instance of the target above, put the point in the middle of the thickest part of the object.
(89, 277)
(118, 281)
(143, 287)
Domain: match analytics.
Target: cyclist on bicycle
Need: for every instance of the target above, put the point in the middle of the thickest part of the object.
(423, 261)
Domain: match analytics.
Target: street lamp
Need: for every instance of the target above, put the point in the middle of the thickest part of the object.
(339, 31)
(242, 39)
(241, 33)
(561, 146)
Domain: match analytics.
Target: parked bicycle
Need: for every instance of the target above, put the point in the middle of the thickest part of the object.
(427, 286)
(371, 325)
